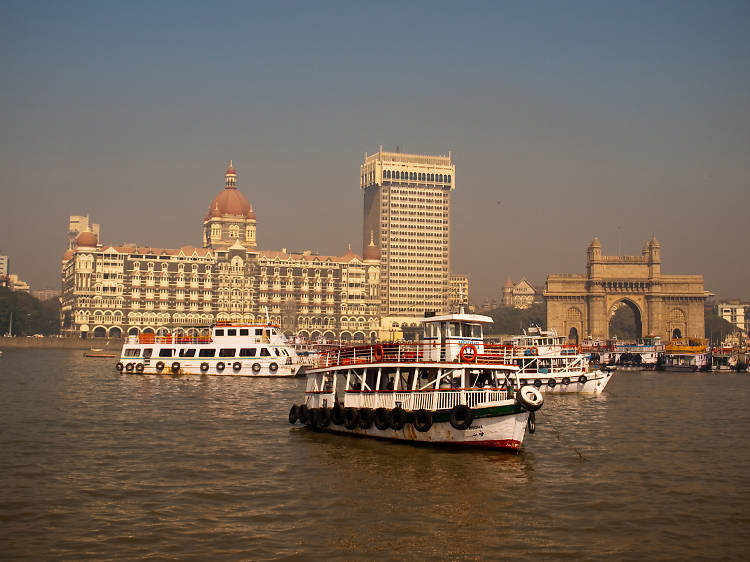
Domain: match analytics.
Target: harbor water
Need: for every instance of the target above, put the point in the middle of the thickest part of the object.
(100, 465)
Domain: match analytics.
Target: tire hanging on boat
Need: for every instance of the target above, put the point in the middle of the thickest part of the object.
(422, 420)
(397, 418)
(366, 417)
(538, 383)
(175, 367)
(551, 383)
(293, 414)
(531, 423)
(461, 417)
(237, 366)
(381, 418)
(337, 415)
(220, 366)
(582, 379)
(351, 418)
(119, 366)
(324, 417)
(566, 380)
(204, 366)
(256, 367)
(303, 413)
(129, 367)
(273, 367)
(312, 418)
(139, 368)
(529, 398)
(160, 365)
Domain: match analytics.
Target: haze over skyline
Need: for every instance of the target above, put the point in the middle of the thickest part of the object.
(565, 121)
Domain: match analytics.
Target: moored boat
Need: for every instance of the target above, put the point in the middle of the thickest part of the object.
(642, 355)
(433, 391)
(687, 355)
(256, 350)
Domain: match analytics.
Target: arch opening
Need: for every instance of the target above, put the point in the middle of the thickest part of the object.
(625, 321)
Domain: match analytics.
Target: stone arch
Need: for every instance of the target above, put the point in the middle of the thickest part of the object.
(329, 336)
(100, 332)
(359, 337)
(573, 324)
(115, 332)
(133, 331)
(346, 336)
(636, 310)
(677, 323)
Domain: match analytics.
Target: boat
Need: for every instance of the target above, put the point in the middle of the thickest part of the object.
(99, 354)
(687, 354)
(441, 390)
(600, 351)
(547, 361)
(251, 350)
(643, 355)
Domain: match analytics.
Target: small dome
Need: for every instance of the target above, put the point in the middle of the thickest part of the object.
(509, 283)
(595, 243)
(87, 239)
(231, 171)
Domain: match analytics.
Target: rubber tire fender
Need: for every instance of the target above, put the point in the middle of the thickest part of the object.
(175, 367)
(531, 423)
(304, 413)
(323, 417)
(337, 415)
(529, 398)
(397, 418)
(538, 383)
(129, 367)
(220, 366)
(582, 379)
(119, 366)
(139, 368)
(461, 417)
(351, 418)
(236, 366)
(551, 383)
(381, 418)
(160, 365)
(366, 417)
(566, 380)
(204, 366)
(422, 420)
(273, 367)
(256, 367)
(293, 414)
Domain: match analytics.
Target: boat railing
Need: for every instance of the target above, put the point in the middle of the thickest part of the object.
(412, 352)
(444, 399)
(170, 339)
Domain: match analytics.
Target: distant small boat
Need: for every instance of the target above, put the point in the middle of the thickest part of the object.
(99, 352)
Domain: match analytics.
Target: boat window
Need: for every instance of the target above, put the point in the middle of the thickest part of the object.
(207, 353)
(147, 352)
(244, 332)
(219, 332)
(231, 332)
(264, 352)
(132, 352)
(278, 353)
(248, 352)
(227, 352)
(476, 331)
(187, 352)
(166, 352)
(259, 331)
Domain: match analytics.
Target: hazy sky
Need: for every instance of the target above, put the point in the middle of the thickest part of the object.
(565, 120)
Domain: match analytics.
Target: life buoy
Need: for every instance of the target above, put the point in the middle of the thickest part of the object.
(293, 414)
(582, 379)
(129, 368)
(378, 353)
(273, 367)
(461, 417)
(220, 366)
(160, 365)
(351, 418)
(175, 367)
(397, 418)
(119, 366)
(256, 367)
(337, 415)
(237, 366)
(469, 357)
(366, 417)
(566, 380)
(139, 368)
(204, 366)
(551, 383)
(529, 398)
(538, 383)
(381, 418)
(422, 420)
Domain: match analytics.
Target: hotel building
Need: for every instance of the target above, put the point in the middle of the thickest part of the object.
(407, 217)
(110, 290)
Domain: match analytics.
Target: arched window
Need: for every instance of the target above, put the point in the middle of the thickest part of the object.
(234, 231)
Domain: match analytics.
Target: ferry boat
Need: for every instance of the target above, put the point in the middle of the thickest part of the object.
(599, 351)
(442, 390)
(687, 354)
(251, 350)
(552, 365)
(643, 355)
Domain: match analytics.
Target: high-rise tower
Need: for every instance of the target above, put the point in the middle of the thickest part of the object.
(407, 215)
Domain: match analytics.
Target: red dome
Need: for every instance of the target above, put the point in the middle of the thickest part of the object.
(87, 239)
(371, 252)
(229, 202)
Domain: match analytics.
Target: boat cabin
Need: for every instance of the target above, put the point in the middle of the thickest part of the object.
(454, 337)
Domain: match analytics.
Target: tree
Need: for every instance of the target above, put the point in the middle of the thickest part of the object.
(509, 320)
(30, 315)
(716, 326)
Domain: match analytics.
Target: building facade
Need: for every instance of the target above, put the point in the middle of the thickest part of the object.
(407, 203)
(519, 295)
(3, 266)
(110, 290)
(735, 312)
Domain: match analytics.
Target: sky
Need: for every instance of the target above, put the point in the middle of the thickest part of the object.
(565, 120)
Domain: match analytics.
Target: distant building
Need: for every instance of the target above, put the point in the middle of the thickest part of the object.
(113, 290)
(459, 292)
(13, 283)
(407, 224)
(3, 266)
(736, 312)
(78, 224)
(520, 295)
(45, 294)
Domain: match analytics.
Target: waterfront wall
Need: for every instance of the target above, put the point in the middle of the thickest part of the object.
(60, 343)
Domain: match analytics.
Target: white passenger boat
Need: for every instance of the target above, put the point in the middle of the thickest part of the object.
(548, 362)
(647, 353)
(252, 350)
(434, 391)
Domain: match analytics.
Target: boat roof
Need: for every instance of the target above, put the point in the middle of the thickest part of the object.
(460, 317)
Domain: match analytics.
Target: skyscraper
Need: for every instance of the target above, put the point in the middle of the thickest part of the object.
(407, 217)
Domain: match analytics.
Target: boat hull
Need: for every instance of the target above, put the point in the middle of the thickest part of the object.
(246, 368)
(591, 383)
(491, 432)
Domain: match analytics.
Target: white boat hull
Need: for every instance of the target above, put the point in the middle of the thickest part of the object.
(592, 383)
(246, 368)
(497, 432)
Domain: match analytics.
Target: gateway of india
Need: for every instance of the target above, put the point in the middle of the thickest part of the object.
(127, 289)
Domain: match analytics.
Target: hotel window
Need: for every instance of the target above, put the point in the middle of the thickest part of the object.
(234, 231)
